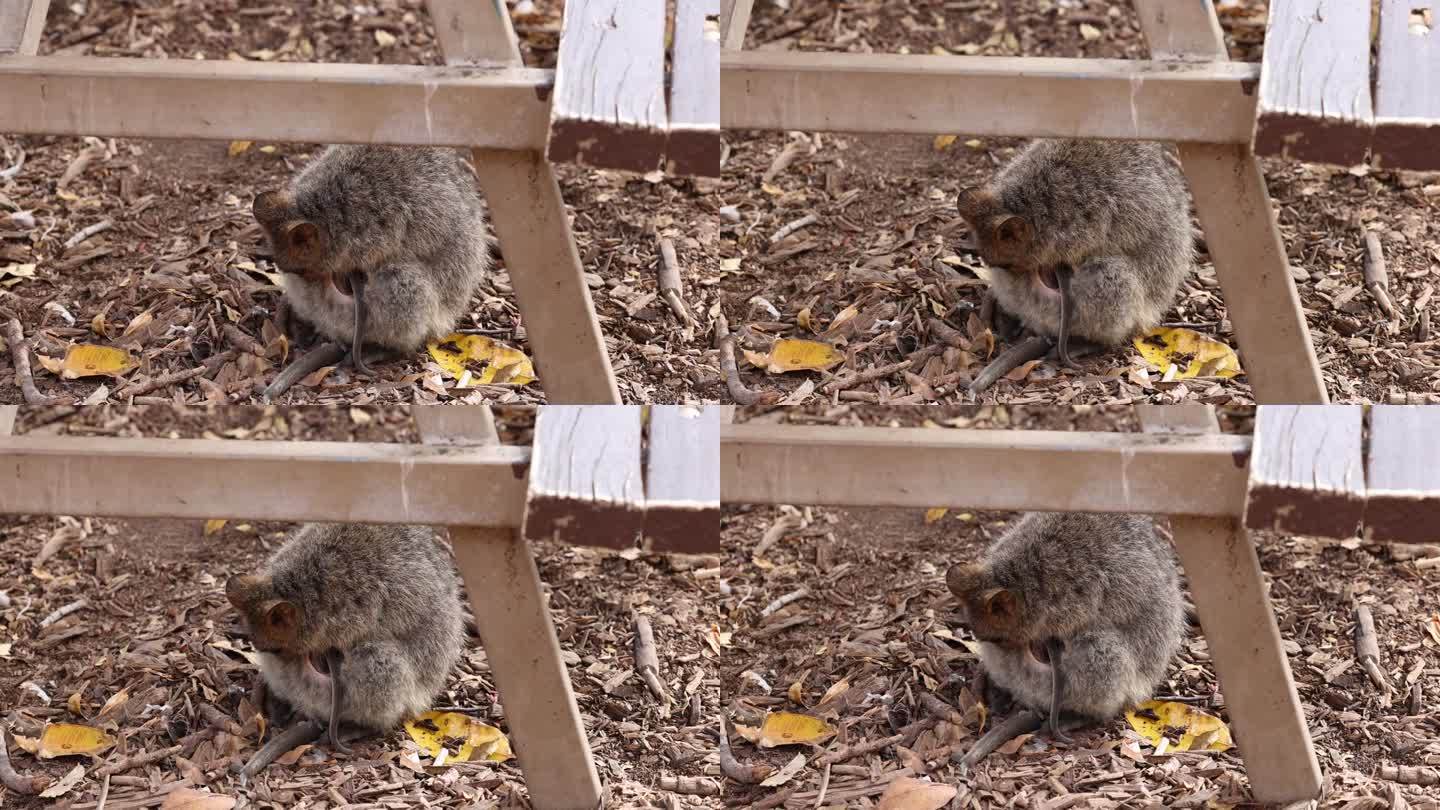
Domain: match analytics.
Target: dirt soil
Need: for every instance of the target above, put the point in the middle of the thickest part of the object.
(157, 646)
(882, 257)
(876, 634)
(181, 257)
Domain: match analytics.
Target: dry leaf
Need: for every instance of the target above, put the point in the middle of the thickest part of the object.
(796, 693)
(86, 360)
(71, 739)
(1189, 352)
(238, 148)
(191, 799)
(943, 142)
(935, 513)
(116, 702)
(138, 322)
(906, 793)
(15, 273)
(786, 773)
(790, 728)
(803, 319)
(213, 526)
(792, 354)
(488, 362)
(461, 736)
(1182, 727)
(65, 783)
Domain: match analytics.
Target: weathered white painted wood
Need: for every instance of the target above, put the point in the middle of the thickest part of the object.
(22, 23)
(1307, 470)
(502, 108)
(262, 480)
(682, 479)
(983, 469)
(468, 33)
(734, 19)
(608, 109)
(1403, 474)
(987, 95)
(1230, 596)
(7, 419)
(1315, 83)
(586, 483)
(513, 617)
(1407, 86)
(1242, 236)
(693, 147)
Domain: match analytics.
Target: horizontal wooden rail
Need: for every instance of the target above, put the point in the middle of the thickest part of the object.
(263, 480)
(458, 105)
(984, 469)
(1211, 102)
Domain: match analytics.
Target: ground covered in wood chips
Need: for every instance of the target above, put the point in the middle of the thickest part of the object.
(156, 649)
(875, 635)
(879, 257)
(176, 260)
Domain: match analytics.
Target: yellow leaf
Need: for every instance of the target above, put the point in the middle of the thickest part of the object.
(87, 360)
(1185, 727)
(192, 799)
(796, 694)
(70, 739)
(803, 318)
(238, 148)
(1191, 353)
(906, 793)
(943, 142)
(462, 736)
(791, 354)
(789, 728)
(756, 358)
(934, 513)
(487, 361)
(213, 526)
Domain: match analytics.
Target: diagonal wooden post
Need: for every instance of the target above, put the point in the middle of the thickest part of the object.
(529, 217)
(1235, 615)
(513, 617)
(21, 24)
(1241, 233)
(734, 19)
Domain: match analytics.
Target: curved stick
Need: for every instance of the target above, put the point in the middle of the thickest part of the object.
(327, 354)
(1021, 722)
(1031, 348)
(14, 782)
(20, 357)
(305, 731)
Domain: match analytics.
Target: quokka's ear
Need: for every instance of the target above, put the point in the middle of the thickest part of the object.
(304, 243)
(271, 207)
(1002, 606)
(282, 619)
(1013, 229)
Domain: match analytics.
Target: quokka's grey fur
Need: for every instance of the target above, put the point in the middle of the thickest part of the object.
(1107, 585)
(409, 218)
(1115, 211)
(386, 596)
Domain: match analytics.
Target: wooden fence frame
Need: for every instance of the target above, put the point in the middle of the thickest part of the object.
(1187, 470)
(1188, 93)
(483, 98)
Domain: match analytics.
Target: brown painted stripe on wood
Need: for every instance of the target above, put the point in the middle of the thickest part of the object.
(1403, 474)
(1307, 470)
(1407, 86)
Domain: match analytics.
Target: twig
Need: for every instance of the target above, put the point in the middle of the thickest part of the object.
(792, 226)
(13, 781)
(868, 375)
(139, 760)
(1367, 649)
(1021, 722)
(167, 380)
(647, 661)
(6, 174)
(824, 786)
(946, 333)
(87, 232)
(305, 731)
(782, 601)
(777, 530)
(1377, 281)
(726, 344)
(941, 710)
(77, 166)
(1416, 700)
(690, 785)
(62, 612)
(221, 720)
(1410, 775)
(668, 279)
(731, 767)
(20, 358)
(859, 749)
(104, 793)
(326, 355)
(782, 161)
(241, 341)
(1031, 348)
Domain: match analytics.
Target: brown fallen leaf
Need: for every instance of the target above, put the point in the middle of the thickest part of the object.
(906, 793)
(191, 799)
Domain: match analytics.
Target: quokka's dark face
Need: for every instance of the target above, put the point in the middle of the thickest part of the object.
(297, 245)
(1003, 239)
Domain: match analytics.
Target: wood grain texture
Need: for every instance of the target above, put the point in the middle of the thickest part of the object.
(513, 617)
(7, 419)
(1231, 599)
(682, 479)
(473, 31)
(1315, 82)
(22, 23)
(693, 147)
(1407, 86)
(983, 469)
(988, 95)
(1307, 470)
(262, 480)
(503, 108)
(608, 109)
(586, 483)
(1403, 474)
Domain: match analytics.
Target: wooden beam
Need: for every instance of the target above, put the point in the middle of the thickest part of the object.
(988, 95)
(529, 216)
(500, 108)
(1230, 596)
(1315, 82)
(734, 19)
(262, 480)
(983, 469)
(475, 31)
(513, 617)
(586, 483)
(22, 25)
(1407, 86)
(608, 109)
(682, 479)
(1403, 471)
(1243, 238)
(693, 147)
(1307, 470)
